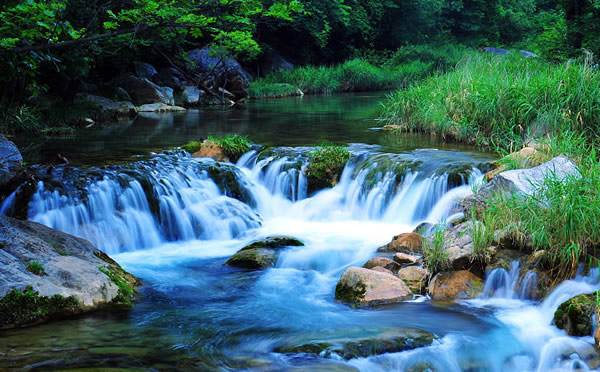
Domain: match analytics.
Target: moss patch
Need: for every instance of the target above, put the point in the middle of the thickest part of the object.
(256, 258)
(350, 294)
(126, 282)
(325, 166)
(27, 307)
(233, 145)
(575, 315)
(192, 146)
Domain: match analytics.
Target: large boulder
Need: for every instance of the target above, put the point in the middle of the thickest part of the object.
(144, 91)
(458, 243)
(576, 316)
(226, 72)
(191, 95)
(384, 262)
(107, 108)
(10, 160)
(363, 287)
(395, 341)
(407, 242)
(272, 61)
(144, 70)
(262, 253)
(47, 274)
(415, 278)
(455, 285)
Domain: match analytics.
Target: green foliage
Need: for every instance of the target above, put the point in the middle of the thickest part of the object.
(482, 233)
(36, 268)
(325, 164)
(233, 145)
(192, 146)
(26, 307)
(435, 256)
(498, 102)
(20, 119)
(126, 294)
(262, 89)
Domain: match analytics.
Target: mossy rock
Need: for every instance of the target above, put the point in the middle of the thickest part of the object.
(255, 258)
(312, 348)
(274, 242)
(325, 166)
(26, 307)
(350, 294)
(576, 315)
(126, 282)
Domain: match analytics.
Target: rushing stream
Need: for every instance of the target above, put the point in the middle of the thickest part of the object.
(173, 221)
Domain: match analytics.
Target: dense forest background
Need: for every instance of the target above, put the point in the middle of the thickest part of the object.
(53, 47)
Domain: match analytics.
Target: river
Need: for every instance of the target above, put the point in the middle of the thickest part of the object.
(194, 312)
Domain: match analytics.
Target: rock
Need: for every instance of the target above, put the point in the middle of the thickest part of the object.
(403, 258)
(171, 77)
(122, 95)
(108, 109)
(382, 270)
(415, 278)
(191, 95)
(406, 242)
(384, 262)
(364, 287)
(274, 242)
(527, 54)
(496, 51)
(424, 228)
(525, 158)
(10, 160)
(159, 107)
(455, 285)
(575, 316)
(227, 72)
(144, 91)
(394, 341)
(458, 243)
(262, 253)
(527, 181)
(144, 70)
(256, 258)
(271, 61)
(47, 274)
(209, 149)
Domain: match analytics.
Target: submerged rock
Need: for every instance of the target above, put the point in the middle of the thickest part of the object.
(455, 285)
(407, 242)
(363, 287)
(46, 274)
(10, 160)
(391, 342)
(262, 253)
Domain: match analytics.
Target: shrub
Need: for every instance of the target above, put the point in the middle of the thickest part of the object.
(233, 145)
(435, 255)
(28, 307)
(36, 268)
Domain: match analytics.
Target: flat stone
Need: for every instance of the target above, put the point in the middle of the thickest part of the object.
(159, 107)
(364, 287)
(404, 258)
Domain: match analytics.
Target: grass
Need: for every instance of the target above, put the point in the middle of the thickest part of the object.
(36, 268)
(326, 163)
(263, 89)
(482, 233)
(499, 102)
(233, 145)
(192, 146)
(435, 256)
(126, 294)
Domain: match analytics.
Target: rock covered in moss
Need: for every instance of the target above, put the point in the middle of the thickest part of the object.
(455, 285)
(325, 166)
(363, 287)
(71, 276)
(262, 253)
(576, 315)
(395, 341)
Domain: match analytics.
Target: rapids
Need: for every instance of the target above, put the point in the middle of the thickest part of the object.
(173, 221)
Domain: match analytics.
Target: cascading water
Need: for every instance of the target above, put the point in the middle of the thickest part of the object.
(501, 283)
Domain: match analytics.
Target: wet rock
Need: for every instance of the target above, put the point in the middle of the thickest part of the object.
(209, 149)
(159, 107)
(256, 258)
(525, 158)
(458, 243)
(143, 91)
(171, 77)
(424, 228)
(390, 342)
(47, 274)
(415, 278)
(10, 160)
(108, 108)
(262, 253)
(384, 262)
(364, 287)
(144, 70)
(455, 285)
(576, 315)
(405, 259)
(407, 242)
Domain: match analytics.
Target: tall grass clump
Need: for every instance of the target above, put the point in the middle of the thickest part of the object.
(561, 217)
(262, 89)
(435, 255)
(499, 101)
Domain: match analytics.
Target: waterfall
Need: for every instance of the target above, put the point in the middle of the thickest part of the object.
(173, 197)
(502, 283)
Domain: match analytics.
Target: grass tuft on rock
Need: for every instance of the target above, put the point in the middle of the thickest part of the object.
(435, 256)
(126, 295)
(192, 146)
(326, 162)
(233, 145)
(36, 268)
